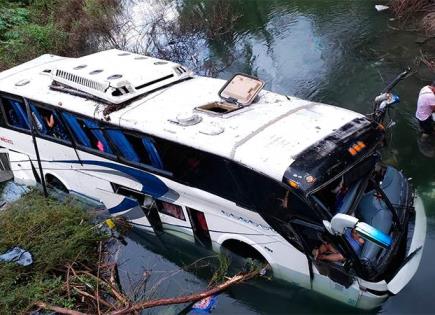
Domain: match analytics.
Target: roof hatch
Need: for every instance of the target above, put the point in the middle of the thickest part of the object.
(241, 89)
(238, 92)
(117, 76)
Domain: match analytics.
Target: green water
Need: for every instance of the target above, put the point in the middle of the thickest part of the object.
(341, 53)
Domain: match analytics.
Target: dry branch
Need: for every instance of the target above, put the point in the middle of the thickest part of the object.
(188, 298)
(58, 309)
(136, 307)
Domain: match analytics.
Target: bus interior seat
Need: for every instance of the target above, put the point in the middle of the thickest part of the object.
(348, 199)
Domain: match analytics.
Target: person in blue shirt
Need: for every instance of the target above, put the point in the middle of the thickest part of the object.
(355, 241)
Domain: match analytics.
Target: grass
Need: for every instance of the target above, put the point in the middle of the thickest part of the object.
(56, 234)
(29, 29)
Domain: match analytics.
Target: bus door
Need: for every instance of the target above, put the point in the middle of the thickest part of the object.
(146, 203)
(149, 207)
(313, 236)
(199, 227)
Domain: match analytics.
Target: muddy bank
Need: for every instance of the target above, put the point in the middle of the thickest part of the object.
(422, 11)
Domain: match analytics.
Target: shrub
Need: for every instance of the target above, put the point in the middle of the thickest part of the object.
(56, 234)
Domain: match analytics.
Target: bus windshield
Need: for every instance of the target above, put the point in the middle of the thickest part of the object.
(339, 194)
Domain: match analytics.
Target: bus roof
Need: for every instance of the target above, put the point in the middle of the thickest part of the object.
(265, 136)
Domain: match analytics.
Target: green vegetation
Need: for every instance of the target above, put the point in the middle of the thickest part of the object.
(56, 234)
(35, 27)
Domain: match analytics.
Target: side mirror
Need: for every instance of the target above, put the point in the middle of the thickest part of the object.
(371, 234)
(340, 222)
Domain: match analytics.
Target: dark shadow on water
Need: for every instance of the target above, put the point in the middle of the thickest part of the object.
(426, 145)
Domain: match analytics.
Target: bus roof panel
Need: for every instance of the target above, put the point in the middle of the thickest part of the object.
(264, 136)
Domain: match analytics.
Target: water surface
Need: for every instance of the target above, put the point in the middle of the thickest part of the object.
(341, 53)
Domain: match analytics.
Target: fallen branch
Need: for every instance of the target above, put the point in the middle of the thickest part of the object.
(58, 309)
(121, 297)
(188, 298)
(96, 298)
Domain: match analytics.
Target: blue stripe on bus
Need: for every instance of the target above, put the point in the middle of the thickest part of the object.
(125, 204)
(151, 185)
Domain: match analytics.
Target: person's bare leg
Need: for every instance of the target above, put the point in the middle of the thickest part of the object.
(323, 248)
(331, 248)
(332, 257)
(319, 251)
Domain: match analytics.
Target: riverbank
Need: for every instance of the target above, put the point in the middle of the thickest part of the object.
(71, 266)
(422, 10)
(57, 235)
(29, 29)
(418, 16)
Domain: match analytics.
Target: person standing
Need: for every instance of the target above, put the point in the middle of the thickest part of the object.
(425, 108)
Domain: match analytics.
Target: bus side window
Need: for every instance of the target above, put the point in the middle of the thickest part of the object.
(94, 132)
(87, 133)
(199, 169)
(171, 209)
(48, 123)
(16, 114)
(199, 227)
(122, 145)
(134, 148)
(139, 148)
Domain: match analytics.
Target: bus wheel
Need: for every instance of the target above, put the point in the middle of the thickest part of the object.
(243, 256)
(54, 183)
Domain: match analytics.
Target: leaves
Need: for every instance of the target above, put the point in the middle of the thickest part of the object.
(56, 234)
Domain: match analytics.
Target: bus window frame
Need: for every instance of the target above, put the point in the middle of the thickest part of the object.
(140, 137)
(79, 145)
(119, 158)
(47, 137)
(160, 207)
(5, 118)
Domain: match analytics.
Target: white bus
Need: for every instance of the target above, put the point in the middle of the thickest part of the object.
(268, 176)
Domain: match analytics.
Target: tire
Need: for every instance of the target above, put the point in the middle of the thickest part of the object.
(54, 183)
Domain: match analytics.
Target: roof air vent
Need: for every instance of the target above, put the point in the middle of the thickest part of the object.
(116, 80)
(212, 129)
(187, 119)
(80, 67)
(96, 71)
(241, 89)
(237, 93)
(114, 77)
(22, 82)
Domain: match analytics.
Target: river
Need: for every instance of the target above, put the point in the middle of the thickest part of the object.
(336, 52)
(341, 53)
